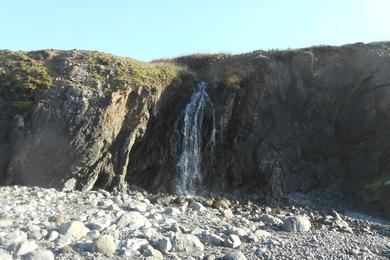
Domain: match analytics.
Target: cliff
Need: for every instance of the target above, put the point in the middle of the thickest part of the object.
(314, 119)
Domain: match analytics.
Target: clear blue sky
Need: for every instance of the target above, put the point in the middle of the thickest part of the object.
(151, 29)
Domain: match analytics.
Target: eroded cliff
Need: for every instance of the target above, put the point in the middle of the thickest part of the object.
(286, 121)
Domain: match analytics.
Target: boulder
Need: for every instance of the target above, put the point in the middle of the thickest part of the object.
(296, 224)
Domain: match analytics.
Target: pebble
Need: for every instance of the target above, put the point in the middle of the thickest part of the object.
(5, 256)
(163, 244)
(105, 245)
(232, 241)
(227, 213)
(25, 247)
(262, 233)
(172, 211)
(270, 220)
(40, 255)
(237, 255)
(53, 236)
(197, 206)
(132, 220)
(74, 229)
(187, 243)
(152, 254)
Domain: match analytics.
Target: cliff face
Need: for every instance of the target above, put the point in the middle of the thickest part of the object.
(80, 129)
(286, 121)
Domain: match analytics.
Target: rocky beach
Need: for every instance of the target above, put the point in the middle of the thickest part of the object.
(45, 224)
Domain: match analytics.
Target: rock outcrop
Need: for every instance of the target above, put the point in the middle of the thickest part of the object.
(286, 121)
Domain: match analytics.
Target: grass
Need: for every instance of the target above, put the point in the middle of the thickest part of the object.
(21, 76)
(119, 73)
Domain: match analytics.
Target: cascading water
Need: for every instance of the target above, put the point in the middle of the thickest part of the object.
(189, 164)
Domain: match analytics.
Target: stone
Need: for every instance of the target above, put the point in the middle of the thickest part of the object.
(83, 246)
(53, 235)
(197, 206)
(227, 213)
(296, 224)
(6, 223)
(5, 256)
(151, 254)
(237, 231)
(212, 239)
(187, 243)
(74, 229)
(105, 245)
(209, 257)
(270, 220)
(59, 219)
(172, 211)
(113, 207)
(25, 247)
(15, 237)
(132, 220)
(237, 255)
(99, 224)
(138, 206)
(135, 244)
(221, 204)
(40, 255)
(262, 233)
(163, 244)
(232, 241)
(176, 227)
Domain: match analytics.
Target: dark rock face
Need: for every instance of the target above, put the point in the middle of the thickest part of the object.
(286, 121)
(298, 121)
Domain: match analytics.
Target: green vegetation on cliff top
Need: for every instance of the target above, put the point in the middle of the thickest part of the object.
(23, 74)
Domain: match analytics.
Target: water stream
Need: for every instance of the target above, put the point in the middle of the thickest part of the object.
(189, 164)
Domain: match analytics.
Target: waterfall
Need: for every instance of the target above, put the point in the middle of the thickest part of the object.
(189, 164)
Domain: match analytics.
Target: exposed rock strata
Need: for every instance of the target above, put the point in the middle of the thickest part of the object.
(287, 121)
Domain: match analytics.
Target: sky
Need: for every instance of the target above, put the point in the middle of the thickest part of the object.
(153, 29)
